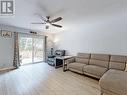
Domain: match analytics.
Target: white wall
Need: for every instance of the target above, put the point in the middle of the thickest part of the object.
(107, 34)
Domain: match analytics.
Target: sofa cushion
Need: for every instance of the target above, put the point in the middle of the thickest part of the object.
(83, 55)
(77, 66)
(117, 62)
(114, 81)
(118, 58)
(81, 60)
(95, 70)
(99, 63)
(103, 57)
(117, 66)
(99, 60)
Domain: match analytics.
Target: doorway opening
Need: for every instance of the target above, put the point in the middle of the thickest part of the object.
(31, 49)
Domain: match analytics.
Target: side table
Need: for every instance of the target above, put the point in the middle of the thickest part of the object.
(60, 61)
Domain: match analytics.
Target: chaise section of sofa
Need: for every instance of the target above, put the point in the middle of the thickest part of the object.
(98, 65)
(77, 63)
(114, 81)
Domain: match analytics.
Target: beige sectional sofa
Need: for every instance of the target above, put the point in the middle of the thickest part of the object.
(108, 68)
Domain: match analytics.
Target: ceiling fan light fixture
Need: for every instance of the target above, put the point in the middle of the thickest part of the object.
(47, 24)
(47, 27)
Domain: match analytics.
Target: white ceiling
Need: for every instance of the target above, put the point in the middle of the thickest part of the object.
(74, 12)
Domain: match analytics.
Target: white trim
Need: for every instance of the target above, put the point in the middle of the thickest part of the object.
(9, 68)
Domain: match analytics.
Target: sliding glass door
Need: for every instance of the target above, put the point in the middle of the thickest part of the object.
(31, 49)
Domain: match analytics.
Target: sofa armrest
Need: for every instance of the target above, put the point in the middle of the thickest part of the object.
(71, 60)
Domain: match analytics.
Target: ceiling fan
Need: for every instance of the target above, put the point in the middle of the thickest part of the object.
(46, 20)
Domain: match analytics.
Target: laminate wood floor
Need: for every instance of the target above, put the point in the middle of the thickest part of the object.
(42, 79)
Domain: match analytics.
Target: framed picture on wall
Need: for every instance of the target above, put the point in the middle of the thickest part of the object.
(6, 33)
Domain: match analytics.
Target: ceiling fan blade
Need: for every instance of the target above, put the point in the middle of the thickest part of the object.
(57, 25)
(38, 23)
(56, 20)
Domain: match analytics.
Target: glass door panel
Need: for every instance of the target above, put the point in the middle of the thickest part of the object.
(38, 49)
(25, 50)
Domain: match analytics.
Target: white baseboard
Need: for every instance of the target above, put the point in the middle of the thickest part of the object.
(8, 68)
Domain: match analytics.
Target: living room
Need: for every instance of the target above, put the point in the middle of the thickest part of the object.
(63, 47)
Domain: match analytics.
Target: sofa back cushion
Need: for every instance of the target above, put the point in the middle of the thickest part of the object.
(83, 55)
(99, 60)
(118, 62)
(82, 58)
